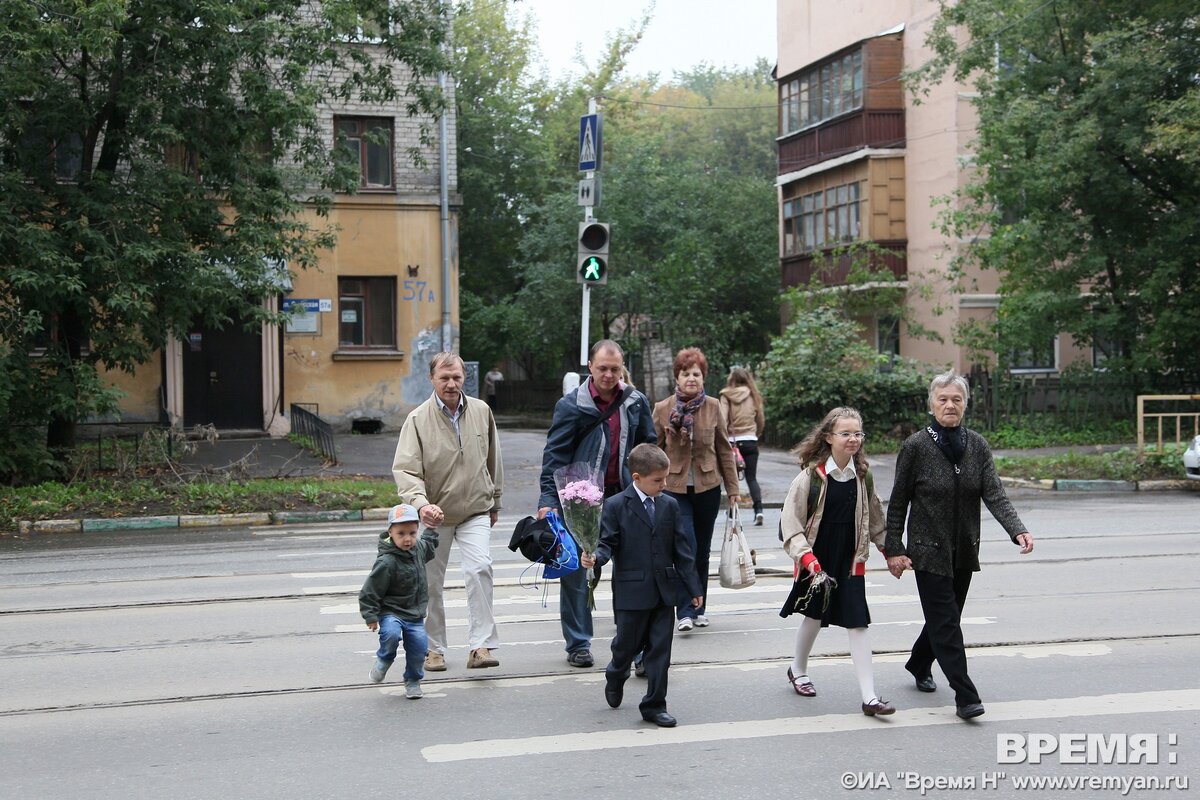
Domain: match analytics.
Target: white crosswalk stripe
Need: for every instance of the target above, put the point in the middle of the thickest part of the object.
(1152, 702)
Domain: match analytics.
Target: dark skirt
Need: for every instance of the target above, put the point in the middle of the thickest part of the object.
(834, 548)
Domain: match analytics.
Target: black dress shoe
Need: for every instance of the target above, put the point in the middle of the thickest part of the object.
(926, 684)
(613, 692)
(660, 718)
(639, 669)
(970, 710)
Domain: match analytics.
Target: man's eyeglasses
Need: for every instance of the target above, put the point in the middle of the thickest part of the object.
(843, 435)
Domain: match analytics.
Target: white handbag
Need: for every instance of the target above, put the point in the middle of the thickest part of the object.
(736, 570)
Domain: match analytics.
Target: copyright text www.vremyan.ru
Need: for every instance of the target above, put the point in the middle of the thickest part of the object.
(991, 780)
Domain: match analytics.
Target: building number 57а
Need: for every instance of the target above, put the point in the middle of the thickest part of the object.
(415, 290)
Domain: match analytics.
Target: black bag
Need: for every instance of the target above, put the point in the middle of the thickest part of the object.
(536, 541)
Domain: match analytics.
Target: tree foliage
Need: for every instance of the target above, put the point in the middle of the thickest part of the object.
(687, 186)
(1086, 199)
(157, 156)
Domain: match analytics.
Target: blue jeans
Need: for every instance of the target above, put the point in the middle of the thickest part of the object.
(573, 612)
(416, 645)
(698, 513)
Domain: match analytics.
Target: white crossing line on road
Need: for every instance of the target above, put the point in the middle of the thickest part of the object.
(1180, 700)
(553, 617)
(523, 599)
(503, 524)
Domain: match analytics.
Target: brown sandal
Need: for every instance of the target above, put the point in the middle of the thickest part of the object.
(805, 688)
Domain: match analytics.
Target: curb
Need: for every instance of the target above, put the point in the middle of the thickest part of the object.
(94, 525)
(1071, 485)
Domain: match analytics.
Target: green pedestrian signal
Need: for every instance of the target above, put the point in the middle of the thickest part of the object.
(593, 270)
(592, 266)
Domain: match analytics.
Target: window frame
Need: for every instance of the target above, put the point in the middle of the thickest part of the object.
(367, 307)
(822, 92)
(366, 125)
(812, 223)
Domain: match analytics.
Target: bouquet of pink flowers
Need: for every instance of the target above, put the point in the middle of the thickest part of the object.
(581, 493)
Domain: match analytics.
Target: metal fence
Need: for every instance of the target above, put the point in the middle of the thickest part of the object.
(1072, 400)
(319, 432)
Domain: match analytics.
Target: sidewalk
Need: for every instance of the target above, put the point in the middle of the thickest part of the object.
(371, 455)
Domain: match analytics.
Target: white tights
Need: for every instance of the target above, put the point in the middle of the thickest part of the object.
(860, 655)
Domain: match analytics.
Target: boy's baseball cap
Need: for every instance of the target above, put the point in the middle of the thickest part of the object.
(403, 513)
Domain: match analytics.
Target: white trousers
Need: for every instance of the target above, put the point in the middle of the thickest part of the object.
(474, 538)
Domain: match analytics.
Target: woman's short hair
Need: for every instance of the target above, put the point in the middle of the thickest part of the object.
(689, 357)
(646, 459)
(949, 378)
(440, 360)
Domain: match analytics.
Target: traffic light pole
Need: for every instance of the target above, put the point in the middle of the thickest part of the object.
(587, 298)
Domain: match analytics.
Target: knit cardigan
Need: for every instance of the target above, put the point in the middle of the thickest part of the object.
(942, 508)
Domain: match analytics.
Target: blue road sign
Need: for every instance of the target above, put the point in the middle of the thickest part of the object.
(591, 128)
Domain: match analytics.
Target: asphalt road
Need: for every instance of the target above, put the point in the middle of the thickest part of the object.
(232, 663)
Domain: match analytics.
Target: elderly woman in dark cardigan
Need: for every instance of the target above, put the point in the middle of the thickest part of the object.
(942, 472)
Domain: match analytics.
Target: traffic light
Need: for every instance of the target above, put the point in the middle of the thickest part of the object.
(593, 253)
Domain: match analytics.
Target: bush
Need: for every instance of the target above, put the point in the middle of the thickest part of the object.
(821, 361)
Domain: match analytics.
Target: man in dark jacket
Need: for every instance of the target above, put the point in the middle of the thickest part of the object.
(597, 424)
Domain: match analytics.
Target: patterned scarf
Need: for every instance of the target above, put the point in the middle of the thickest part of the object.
(683, 418)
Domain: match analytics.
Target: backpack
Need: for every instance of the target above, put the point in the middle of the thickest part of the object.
(814, 494)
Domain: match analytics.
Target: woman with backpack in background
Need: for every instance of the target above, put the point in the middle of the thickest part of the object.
(742, 410)
(830, 518)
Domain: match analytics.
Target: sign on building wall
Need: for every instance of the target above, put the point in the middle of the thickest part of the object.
(305, 317)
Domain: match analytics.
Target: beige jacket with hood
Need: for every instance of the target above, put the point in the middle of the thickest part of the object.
(743, 416)
(799, 531)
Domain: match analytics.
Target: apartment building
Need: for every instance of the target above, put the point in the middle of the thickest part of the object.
(860, 161)
(365, 321)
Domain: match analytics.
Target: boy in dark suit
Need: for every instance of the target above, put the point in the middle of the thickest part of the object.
(641, 529)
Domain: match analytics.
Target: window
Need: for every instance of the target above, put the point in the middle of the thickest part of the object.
(367, 312)
(1042, 358)
(367, 143)
(887, 335)
(828, 216)
(821, 93)
(62, 157)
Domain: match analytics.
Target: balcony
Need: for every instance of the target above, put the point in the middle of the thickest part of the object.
(799, 270)
(853, 131)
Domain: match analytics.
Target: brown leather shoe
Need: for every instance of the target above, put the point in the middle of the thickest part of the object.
(435, 662)
(482, 657)
(878, 708)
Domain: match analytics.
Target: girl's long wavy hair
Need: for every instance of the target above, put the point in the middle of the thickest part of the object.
(813, 449)
(740, 376)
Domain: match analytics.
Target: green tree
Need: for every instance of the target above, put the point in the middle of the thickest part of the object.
(157, 157)
(1086, 198)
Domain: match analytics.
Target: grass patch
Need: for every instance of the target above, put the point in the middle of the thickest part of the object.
(1045, 432)
(1123, 465)
(112, 497)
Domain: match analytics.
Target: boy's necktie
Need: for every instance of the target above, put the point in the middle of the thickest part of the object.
(650, 508)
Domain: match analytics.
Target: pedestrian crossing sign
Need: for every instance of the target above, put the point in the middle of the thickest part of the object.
(590, 150)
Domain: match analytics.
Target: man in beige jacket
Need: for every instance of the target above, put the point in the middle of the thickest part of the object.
(448, 467)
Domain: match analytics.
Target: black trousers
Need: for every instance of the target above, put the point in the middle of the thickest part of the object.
(942, 601)
(650, 632)
(749, 451)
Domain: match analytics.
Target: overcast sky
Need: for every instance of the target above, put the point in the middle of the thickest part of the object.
(681, 34)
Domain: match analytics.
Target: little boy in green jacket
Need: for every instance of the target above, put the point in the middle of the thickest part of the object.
(395, 596)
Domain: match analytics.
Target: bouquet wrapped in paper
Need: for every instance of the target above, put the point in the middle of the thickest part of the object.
(581, 493)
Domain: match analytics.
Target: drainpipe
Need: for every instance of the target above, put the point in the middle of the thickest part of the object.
(444, 191)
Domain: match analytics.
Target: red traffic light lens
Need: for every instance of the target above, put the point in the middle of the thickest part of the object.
(594, 236)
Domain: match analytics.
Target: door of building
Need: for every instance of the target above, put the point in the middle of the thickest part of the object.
(222, 377)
